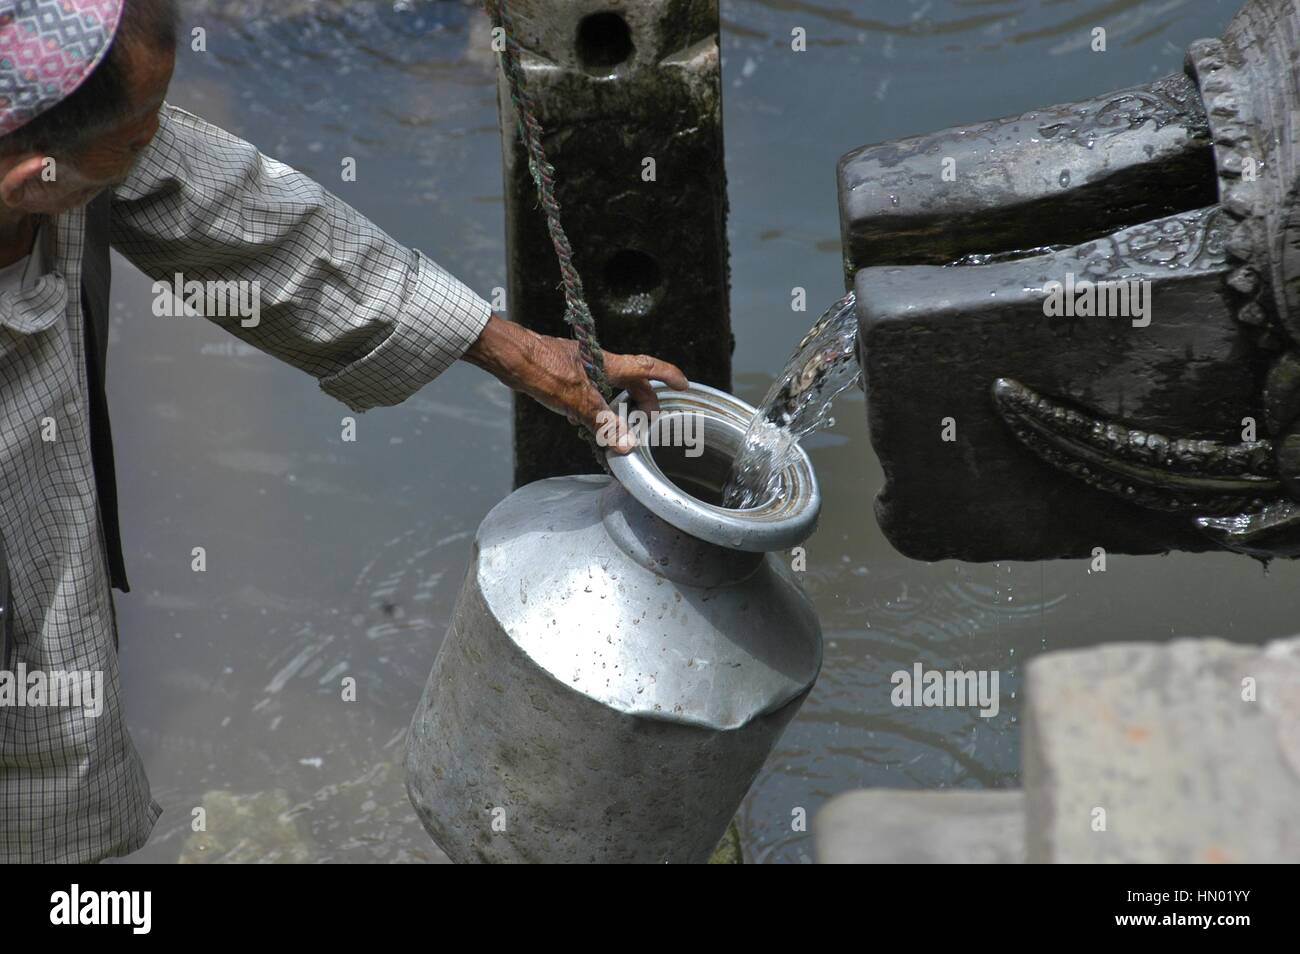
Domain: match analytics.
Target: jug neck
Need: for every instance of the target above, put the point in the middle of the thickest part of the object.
(667, 551)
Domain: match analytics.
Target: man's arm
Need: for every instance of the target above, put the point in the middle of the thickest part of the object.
(549, 371)
(339, 299)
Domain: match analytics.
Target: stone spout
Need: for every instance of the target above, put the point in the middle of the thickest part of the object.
(1079, 326)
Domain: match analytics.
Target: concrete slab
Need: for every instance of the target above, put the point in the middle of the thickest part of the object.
(889, 826)
(1180, 752)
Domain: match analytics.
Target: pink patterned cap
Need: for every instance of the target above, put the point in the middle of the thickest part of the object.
(47, 49)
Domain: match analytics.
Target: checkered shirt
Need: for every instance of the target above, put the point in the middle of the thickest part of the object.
(372, 320)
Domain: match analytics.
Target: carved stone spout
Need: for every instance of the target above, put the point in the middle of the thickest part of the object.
(1080, 326)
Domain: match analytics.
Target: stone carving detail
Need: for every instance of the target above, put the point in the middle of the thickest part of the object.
(1245, 496)
(1182, 198)
(1192, 239)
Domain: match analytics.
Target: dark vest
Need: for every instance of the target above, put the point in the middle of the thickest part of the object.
(96, 275)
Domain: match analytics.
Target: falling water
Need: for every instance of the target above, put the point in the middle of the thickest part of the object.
(824, 364)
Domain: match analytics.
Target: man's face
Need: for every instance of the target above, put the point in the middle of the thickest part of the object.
(108, 157)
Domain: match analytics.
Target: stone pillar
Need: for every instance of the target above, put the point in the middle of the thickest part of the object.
(629, 95)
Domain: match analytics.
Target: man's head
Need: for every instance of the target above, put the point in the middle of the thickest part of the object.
(97, 130)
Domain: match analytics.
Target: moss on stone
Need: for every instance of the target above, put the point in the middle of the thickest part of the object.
(729, 851)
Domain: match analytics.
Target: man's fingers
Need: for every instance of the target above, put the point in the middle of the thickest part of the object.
(644, 395)
(625, 369)
(634, 372)
(610, 429)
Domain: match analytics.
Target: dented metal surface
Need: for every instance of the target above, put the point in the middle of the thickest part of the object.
(619, 664)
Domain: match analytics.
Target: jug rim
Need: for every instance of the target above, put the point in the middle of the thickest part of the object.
(780, 522)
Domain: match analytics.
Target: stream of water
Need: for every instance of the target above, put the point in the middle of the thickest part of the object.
(329, 557)
(797, 403)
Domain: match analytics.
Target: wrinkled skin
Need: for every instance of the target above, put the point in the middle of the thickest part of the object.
(103, 162)
(549, 371)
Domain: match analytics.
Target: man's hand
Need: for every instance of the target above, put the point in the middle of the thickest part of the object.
(548, 370)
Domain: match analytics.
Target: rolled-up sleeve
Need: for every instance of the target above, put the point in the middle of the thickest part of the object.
(337, 297)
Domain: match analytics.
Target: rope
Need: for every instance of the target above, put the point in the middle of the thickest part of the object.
(576, 313)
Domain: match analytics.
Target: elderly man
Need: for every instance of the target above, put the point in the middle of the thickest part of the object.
(91, 157)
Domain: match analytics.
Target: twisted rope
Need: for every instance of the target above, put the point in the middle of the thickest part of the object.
(576, 313)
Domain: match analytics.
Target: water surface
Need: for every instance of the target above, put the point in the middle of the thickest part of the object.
(328, 559)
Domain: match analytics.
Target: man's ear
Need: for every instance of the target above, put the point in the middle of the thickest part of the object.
(22, 186)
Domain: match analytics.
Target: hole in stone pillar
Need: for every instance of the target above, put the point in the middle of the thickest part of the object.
(604, 41)
(632, 279)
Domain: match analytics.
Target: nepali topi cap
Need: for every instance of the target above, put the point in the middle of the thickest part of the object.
(47, 49)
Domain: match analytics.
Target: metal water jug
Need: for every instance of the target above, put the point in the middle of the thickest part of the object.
(622, 658)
